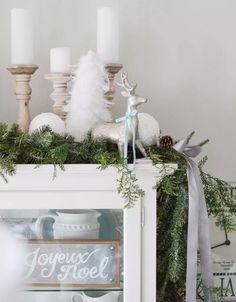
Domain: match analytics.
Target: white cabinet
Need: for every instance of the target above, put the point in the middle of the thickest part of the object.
(32, 193)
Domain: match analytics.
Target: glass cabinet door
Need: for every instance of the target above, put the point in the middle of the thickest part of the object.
(74, 246)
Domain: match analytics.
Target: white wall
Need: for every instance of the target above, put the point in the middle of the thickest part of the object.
(181, 53)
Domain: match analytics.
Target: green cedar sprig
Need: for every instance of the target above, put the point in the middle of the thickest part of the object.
(129, 188)
(221, 203)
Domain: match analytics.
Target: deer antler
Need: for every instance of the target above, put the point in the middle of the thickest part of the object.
(126, 84)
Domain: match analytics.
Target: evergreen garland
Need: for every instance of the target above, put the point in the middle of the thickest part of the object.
(46, 147)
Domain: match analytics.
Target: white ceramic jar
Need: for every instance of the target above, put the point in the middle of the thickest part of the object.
(71, 224)
(101, 297)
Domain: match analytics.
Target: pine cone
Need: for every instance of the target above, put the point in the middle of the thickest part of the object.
(166, 142)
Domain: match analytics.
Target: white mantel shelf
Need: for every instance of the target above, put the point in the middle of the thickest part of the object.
(31, 178)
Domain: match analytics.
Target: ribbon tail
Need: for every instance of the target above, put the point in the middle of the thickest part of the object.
(133, 146)
(198, 235)
(192, 243)
(129, 126)
(198, 228)
(126, 144)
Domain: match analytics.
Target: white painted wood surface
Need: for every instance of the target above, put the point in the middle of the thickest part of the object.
(84, 187)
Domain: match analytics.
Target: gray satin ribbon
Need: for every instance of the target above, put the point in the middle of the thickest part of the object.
(198, 226)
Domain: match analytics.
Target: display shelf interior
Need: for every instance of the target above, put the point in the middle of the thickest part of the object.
(49, 234)
(77, 290)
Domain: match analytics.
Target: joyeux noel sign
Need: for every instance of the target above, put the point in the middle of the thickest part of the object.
(72, 263)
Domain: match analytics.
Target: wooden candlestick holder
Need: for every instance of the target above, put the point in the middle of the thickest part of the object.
(60, 94)
(112, 70)
(22, 74)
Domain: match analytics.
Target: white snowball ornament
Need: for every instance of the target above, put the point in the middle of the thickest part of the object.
(148, 129)
(48, 119)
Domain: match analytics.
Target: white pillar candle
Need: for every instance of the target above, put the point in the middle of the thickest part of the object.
(21, 36)
(107, 35)
(60, 60)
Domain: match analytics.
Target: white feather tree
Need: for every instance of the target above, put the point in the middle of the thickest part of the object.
(88, 106)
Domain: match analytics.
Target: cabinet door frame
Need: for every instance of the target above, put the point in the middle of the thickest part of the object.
(87, 181)
(37, 195)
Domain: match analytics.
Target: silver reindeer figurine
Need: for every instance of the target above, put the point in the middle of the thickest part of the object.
(115, 132)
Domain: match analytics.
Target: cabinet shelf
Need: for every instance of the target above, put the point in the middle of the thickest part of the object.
(77, 290)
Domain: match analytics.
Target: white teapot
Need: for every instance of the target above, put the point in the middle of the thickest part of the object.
(101, 297)
(71, 224)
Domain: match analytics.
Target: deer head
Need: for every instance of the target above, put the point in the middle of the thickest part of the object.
(134, 100)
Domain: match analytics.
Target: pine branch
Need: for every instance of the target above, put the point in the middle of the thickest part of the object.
(129, 189)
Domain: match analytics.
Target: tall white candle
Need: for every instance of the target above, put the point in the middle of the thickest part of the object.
(21, 36)
(60, 60)
(107, 35)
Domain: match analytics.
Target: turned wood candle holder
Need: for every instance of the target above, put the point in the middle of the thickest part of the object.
(112, 70)
(22, 74)
(61, 93)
